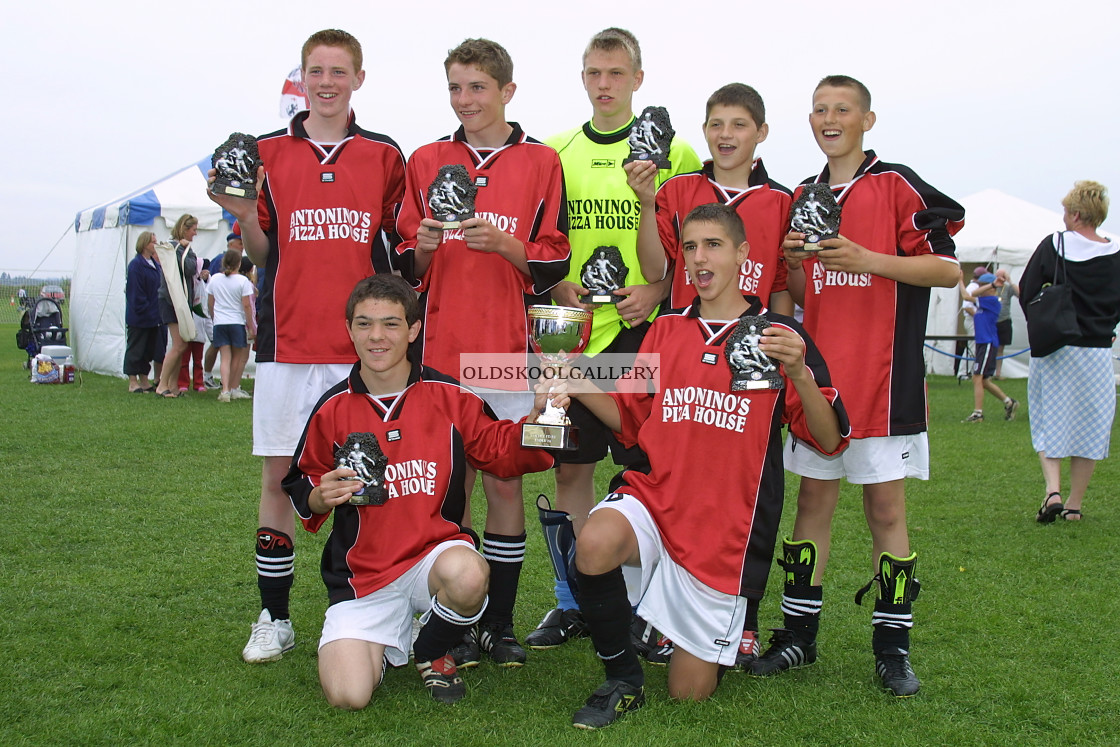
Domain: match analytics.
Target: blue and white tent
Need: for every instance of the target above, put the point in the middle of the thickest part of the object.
(106, 243)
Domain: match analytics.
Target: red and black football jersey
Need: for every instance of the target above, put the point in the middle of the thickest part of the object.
(329, 217)
(764, 208)
(476, 302)
(869, 328)
(429, 433)
(714, 481)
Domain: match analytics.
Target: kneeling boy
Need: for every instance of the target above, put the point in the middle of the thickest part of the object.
(383, 563)
(694, 582)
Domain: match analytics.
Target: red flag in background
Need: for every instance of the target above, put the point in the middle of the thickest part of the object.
(293, 97)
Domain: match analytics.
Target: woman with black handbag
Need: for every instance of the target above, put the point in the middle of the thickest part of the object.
(1070, 293)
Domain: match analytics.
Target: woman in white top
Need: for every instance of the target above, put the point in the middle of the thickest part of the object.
(231, 308)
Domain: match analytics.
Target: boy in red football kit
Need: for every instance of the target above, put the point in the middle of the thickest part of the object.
(404, 551)
(734, 124)
(693, 582)
(512, 252)
(323, 220)
(866, 295)
(603, 210)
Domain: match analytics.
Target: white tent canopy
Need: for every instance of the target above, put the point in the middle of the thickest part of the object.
(106, 243)
(1000, 231)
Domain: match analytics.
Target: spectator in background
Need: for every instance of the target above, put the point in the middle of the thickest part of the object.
(231, 308)
(233, 241)
(987, 310)
(203, 333)
(968, 310)
(185, 270)
(1007, 290)
(1072, 390)
(145, 332)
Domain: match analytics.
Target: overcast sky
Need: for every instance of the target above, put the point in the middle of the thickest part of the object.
(104, 98)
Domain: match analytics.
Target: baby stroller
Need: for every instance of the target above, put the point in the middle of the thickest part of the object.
(41, 324)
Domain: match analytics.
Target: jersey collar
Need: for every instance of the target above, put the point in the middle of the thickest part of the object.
(358, 386)
(608, 138)
(869, 160)
(754, 307)
(757, 178)
(515, 137)
(297, 128)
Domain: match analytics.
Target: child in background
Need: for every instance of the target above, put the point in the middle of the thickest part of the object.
(987, 341)
(231, 308)
(196, 346)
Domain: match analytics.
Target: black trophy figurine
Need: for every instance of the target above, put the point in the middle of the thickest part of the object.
(236, 162)
(363, 454)
(750, 367)
(451, 195)
(816, 214)
(603, 273)
(650, 137)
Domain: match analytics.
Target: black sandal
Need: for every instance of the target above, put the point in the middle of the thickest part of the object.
(1075, 513)
(1049, 511)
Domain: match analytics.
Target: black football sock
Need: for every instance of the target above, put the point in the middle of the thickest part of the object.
(801, 608)
(750, 622)
(276, 557)
(606, 610)
(505, 555)
(890, 627)
(893, 616)
(444, 629)
(801, 601)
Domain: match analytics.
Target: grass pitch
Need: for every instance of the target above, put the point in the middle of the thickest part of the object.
(128, 588)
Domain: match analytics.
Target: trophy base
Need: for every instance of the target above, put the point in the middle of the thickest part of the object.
(370, 497)
(601, 298)
(249, 193)
(661, 161)
(551, 437)
(451, 224)
(755, 385)
(813, 241)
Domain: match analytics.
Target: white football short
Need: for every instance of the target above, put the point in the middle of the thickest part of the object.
(866, 461)
(283, 397)
(704, 622)
(385, 616)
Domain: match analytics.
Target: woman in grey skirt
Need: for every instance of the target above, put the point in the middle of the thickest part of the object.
(1072, 390)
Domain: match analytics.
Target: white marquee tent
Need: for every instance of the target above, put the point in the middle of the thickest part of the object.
(106, 243)
(1000, 231)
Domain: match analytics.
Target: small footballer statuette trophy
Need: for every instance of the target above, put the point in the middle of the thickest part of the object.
(236, 162)
(603, 273)
(816, 214)
(650, 137)
(362, 453)
(451, 195)
(750, 367)
(558, 334)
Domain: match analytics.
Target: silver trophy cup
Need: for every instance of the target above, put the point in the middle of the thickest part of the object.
(558, 334)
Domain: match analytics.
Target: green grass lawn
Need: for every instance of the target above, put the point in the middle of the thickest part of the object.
(128, 588)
